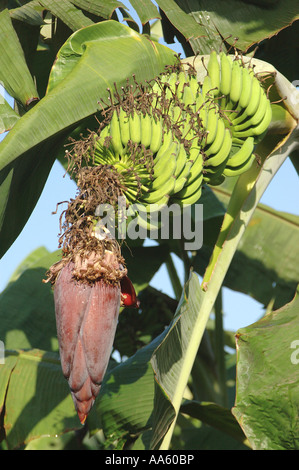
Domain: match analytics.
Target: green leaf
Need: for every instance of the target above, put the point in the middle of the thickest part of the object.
(145, 10)
(29, 261)
(103, 8)
(268, 380)
(37, 399)
(8, 117)
(68, 13)
(280, 51)
(31, 319)
(216, 416)
(97, 56)
(14, 73)
(250, 23)
(173, 359)
(30, 12)
(181, 20)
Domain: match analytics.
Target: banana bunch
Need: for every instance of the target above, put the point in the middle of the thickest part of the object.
(186, 135)
(245, 108)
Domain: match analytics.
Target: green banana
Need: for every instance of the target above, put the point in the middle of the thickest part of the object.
(145, 220)
(188, 201)
(176, 113)
(237, 80)
(135, 127)
(256, 118)
(101, 139)
(157, 134)
(261, 127)
(190, 195)
(124, 127)
(181, 80)
(214, 72)
(217, 181)
(212, 124)
(196, 168)
(194, 138)
(226, 74)
(246, 88)
(188, 96)
(162, 193)
(163, 172)
(239, 170)
(206, 88)
(256, 91)
(200, 108)
(195, 88)
(265, 122)
(115, 134)
(146, 129)
(211, 175)
(171, 86)
(218, 141)
(182, 178)
(223, 153)
(187, 129)
(103, 155)
(190, 188)
(242, 154)
(168, 152)
(181, 160)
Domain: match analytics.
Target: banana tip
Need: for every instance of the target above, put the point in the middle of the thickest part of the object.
(82, 417)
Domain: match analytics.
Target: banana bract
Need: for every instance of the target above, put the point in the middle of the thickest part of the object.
(90, 285)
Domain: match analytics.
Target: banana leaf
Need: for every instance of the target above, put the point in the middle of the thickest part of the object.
(14, 73)
(102, 8)
(8, 117)
(68, 13)
(91, 60)
(43, 388)
(267, 402)
(249, 22)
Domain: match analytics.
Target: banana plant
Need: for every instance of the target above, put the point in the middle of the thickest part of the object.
(142, 400)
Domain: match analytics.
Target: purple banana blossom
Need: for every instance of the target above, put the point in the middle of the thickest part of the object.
(86, 318)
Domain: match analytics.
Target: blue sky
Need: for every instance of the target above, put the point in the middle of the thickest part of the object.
(42, 230)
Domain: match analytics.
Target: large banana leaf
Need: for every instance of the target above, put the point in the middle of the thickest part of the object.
(68, 13)
(34, 397)
(14, 73)
(249, 21)
(267, 399)
(91, 60)
(103, 8)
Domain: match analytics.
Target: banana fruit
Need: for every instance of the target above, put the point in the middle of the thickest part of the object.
(182, 134)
